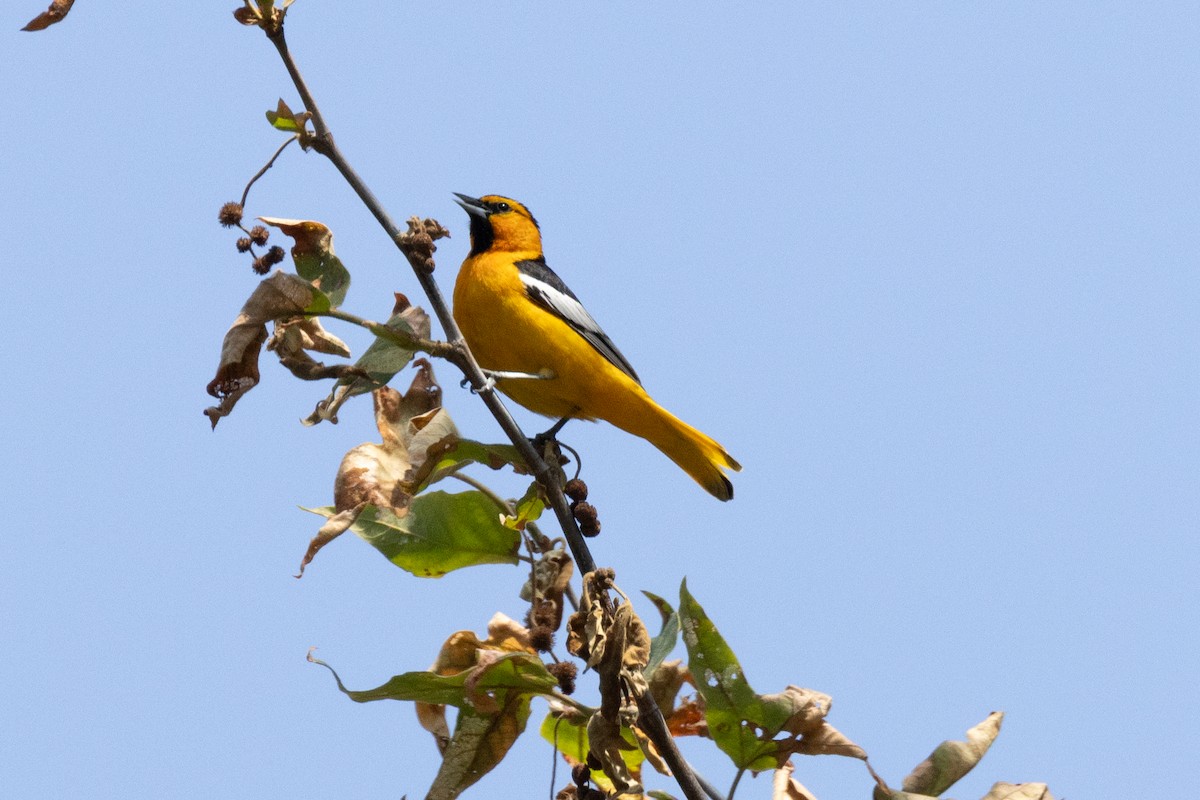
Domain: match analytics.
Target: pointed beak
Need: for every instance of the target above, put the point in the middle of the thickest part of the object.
(472, 205)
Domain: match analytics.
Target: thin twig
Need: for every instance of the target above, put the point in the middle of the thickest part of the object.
(266, 167)
(407, 340)
(554, 759)
(480, 486)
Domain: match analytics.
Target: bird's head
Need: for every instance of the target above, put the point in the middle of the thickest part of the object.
(500, 223)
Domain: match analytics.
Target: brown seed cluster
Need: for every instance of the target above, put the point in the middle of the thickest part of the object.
(230, 216)
(585, 513)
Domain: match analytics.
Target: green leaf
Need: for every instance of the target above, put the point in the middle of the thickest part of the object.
(512, 672)
(568, 735)
(493, 700)
(283, 119)
(458, 453)
(314, 257)
(440, 533)
(320, 302)
(326, 271)
(733, 710)
(384, 358)
(662, 644)
(529, 508)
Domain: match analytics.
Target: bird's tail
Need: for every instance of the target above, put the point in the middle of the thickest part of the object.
(696, 453)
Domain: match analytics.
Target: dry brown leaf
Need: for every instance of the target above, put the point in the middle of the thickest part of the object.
(462, 651)
(1019, 791)
(953, 759)
(551, 575)
(688, 719)
(409, 425)
(586, 630)
(377, 473)
(53, 15)
(291, 338)
(334, 527)
(432, 717)
(310, 236)
(306, 334)
(605, 743)
(615, 643)
(508, 635)
(785, 787)
(280, 296)
(825, 740)
(809, 708)
(650, 751)
(665, 683)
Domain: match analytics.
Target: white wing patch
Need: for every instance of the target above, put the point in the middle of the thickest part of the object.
(572, 312)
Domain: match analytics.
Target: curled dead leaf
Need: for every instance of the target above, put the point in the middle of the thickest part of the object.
(786, 787)
(375, 474)
(432, 717)
(665, 683)
(688, 718)
(952, 759)
(409, 424)
(281, 296)
(614, 642)
(334, 527)
(464, 651)
(53, 15)
(808, 708)
(650, 751)
(605, 744)
(551, 575)
(1019, 791)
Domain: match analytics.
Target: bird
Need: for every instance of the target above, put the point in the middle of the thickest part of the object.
(533, 337)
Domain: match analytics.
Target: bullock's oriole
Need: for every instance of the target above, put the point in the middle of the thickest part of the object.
(547, 352)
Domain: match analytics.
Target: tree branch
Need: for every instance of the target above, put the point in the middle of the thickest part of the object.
(549, 476)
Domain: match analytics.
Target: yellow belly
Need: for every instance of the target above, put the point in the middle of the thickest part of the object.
(519, 336)
(507, 331)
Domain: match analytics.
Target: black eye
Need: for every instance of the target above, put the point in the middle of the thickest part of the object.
(503, 207)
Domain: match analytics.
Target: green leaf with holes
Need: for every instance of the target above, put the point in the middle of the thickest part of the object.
(737, 717)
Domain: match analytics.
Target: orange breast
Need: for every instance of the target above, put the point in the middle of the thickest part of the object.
(507, 331)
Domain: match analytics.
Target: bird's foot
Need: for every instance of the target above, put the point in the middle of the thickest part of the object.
(542, 439)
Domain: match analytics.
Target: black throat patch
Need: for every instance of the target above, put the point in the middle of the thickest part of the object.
(482, 235)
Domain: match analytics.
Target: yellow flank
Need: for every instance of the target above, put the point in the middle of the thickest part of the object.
(508, 330)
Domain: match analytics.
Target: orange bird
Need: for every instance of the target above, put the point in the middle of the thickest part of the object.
(545, 351)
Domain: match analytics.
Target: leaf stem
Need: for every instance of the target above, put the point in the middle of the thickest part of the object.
(267, 166)
(736, 779)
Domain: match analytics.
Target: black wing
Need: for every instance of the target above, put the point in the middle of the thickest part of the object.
(546, 289)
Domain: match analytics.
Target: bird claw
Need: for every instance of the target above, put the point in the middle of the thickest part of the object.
(489, 383)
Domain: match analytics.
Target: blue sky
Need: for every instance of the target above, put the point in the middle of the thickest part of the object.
(928, 271)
